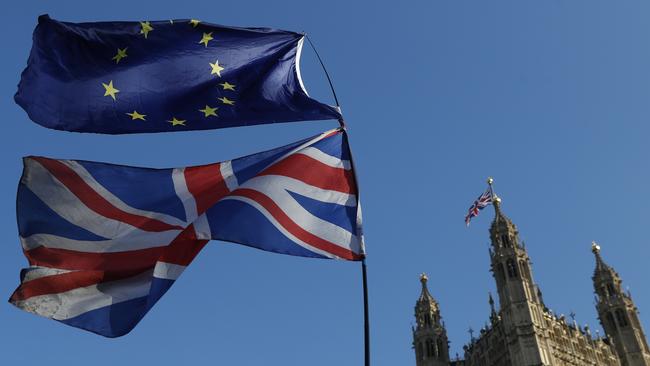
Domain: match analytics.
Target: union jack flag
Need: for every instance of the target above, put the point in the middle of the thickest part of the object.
(104, 242)
(481, 202)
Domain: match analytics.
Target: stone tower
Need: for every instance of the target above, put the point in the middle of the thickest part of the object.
(618, 315)
(521, 306)
(429, 334)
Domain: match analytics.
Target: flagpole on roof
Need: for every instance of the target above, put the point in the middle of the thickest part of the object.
(490, 181)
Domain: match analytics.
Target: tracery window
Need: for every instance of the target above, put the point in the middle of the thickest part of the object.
(505, 241)
(427, 320)
(611, 290)
(430, 348)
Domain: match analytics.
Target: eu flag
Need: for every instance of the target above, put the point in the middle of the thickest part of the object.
(157, 76)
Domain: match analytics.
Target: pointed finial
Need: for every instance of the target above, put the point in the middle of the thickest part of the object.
(595, 248)
(424, 278)
(493, 312)
(490, 181)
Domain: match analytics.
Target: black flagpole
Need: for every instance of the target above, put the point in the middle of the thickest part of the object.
(364, 276)
(366, 319)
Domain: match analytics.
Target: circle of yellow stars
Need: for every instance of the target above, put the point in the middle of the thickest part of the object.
(215, 69)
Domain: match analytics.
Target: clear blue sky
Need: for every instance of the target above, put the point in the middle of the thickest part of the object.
(549, 97)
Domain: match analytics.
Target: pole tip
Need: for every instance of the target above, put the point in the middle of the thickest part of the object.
(595, 248)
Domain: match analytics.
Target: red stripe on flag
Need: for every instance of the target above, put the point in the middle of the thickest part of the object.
(183, 249)
(180, 251)
(206, 184)
(134, 260)
(315, 173)
(96, 202)
(294, 228)
(65, 282)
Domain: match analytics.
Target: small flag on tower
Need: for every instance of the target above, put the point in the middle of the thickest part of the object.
(481, 202)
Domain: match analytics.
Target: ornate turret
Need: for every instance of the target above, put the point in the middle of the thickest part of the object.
(618, 315)
(429, 334)
(521, 308)
(510, 262)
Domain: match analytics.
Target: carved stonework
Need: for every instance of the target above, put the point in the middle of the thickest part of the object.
(523, 331)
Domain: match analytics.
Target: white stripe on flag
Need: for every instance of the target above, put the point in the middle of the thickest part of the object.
(228, 176)
(278, 187)
(115, 201)
(324, 158)
(180, 186)
(69, 304)
(133, 242)
(202, 228)
(168, 271)
(277, 225)
(33, 273)
(63, 202)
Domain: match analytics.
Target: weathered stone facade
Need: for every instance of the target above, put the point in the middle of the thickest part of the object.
(523, 331)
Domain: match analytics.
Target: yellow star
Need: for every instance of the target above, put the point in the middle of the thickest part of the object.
(228, 86)
(216, 68)
(146, 28)
(175, 122)
(135, 115)
(194, 22)
(110, 90)
(208, 111)
(121, 53)
(227, 101)
(207, 37)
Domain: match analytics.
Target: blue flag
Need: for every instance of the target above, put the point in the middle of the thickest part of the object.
(157, 76)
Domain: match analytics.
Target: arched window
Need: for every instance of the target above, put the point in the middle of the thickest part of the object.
(620, 316)
(512, 268)
(430, 350)
(610, 320)
(420, 351)
(505, 241)
(611, 289)
(440, 349)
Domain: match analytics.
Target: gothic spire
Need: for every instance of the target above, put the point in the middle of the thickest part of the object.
(601, 266)
(429, 335)
(425, 296)
(502, 231)
(618, 314)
